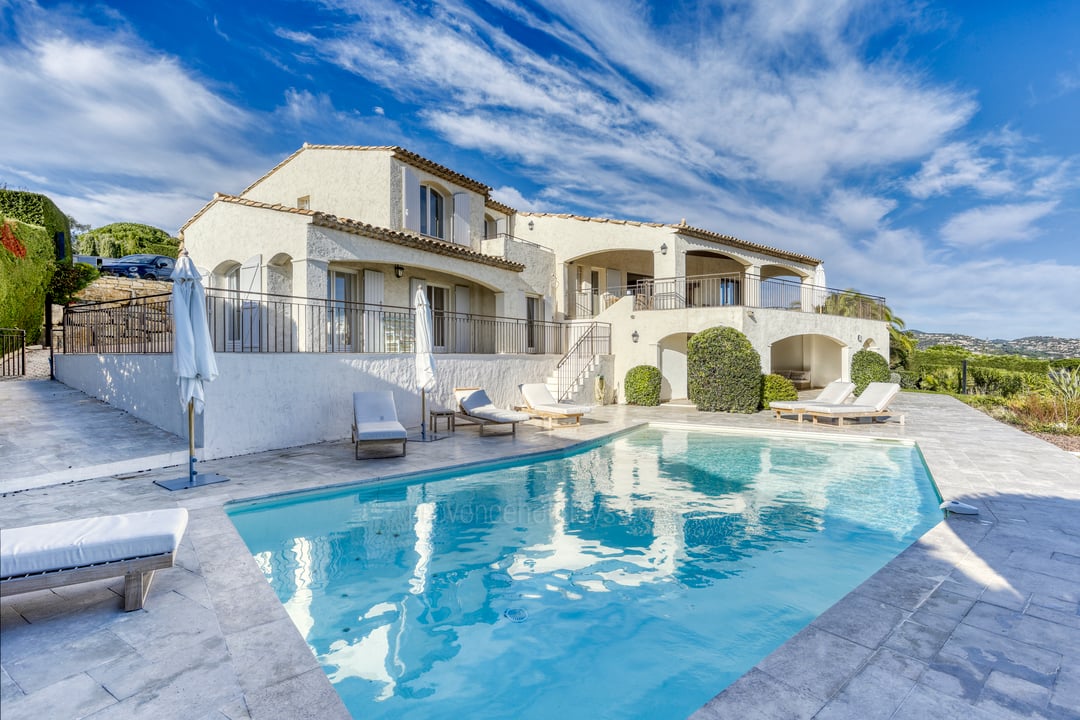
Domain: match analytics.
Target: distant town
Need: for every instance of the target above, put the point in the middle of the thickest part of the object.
(1035, 346)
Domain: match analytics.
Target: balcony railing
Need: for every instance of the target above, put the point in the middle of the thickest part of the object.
(246, 322)
(734, 289)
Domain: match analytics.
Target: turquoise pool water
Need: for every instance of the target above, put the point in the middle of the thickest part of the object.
(634, 578)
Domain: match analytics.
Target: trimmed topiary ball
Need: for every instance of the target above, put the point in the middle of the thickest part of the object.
(867, 367)
(642, 385)
(777, 387)
(723, 371)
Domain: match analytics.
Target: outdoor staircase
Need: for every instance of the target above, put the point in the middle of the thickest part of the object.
(575, 373)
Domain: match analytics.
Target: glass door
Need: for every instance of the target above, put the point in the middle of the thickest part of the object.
(341, 310)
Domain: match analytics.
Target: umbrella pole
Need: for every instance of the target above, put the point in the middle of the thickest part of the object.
(191, 441)
(423, 414)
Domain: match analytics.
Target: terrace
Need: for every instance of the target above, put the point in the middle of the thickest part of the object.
(976, 619)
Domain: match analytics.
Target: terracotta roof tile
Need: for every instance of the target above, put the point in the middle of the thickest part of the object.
(355, 227)
(685, 229)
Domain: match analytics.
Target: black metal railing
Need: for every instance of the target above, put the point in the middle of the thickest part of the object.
(247, 322)
(581, 357)
(732, 289)
(12, 352)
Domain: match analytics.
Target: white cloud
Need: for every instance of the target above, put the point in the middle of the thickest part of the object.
(956, 166)
(859, 212)
(126, 116)
(990, 225)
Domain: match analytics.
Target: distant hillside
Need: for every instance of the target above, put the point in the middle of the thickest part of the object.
(1037, 346)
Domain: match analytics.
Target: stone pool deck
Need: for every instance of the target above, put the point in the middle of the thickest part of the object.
(979, 619)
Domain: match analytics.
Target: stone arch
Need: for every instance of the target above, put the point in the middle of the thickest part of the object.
(822, 358)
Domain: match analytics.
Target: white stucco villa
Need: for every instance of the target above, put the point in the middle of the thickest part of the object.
(311, 270)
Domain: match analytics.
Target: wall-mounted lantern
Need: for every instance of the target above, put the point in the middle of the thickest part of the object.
(663, 249)
(399, 271)
(635, 337)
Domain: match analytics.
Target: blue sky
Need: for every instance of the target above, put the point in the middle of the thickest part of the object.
(927, 151)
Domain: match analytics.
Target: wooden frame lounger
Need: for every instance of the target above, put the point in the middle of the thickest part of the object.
(872, 403)
(476, 407)
(134, 545)
(540, 404)
(835, 393)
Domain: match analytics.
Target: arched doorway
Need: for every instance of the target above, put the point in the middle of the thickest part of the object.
(671, 360)
(819, 357)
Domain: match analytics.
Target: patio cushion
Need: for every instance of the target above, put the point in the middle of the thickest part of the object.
(77, 543)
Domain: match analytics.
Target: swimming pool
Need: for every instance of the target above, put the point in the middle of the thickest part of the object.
(635, 577)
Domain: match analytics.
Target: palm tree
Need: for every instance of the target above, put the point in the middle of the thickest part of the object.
(850, 303)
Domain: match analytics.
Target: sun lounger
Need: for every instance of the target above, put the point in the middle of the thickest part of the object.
(872, 403)
(835, 393)
(41, 557)
(475, 406)
(375, 421)
(539, 403)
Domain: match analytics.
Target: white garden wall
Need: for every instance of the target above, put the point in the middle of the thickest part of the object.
(270, 401)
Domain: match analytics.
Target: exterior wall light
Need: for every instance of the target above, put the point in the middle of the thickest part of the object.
(530, 224)
(399, 271)
(635, 337)
(663, 249)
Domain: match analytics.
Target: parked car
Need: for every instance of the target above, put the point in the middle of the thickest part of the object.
(148, 267)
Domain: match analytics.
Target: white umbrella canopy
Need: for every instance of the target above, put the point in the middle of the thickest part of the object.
(425, 361)
(193, 360)
(193, 351)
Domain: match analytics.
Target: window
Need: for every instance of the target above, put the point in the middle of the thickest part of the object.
(431, 212)
(534, 331)
(491, 228)
(304, 203)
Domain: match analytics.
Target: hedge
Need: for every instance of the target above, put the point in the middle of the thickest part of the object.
(723, 371)
(867, 367)
(36, 209)
(26, 267)
(642, 385)
(119, 239)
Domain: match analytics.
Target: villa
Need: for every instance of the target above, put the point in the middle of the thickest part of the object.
(311, 271)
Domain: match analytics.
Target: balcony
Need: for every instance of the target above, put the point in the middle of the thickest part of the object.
(244, 322)
(729, 290)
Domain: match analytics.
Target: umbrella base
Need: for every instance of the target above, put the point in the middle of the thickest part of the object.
(183, 483)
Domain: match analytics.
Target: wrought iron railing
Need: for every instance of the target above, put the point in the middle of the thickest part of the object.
(12, 352)
(581, 357)
(247, 322)
(732, 289)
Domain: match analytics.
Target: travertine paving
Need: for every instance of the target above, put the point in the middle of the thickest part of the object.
(979, 619)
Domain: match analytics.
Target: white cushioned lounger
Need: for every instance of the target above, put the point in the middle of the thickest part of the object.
(476, 406)
(834, 393)
(873, 402)
(134, 545)
(375, 420)
(540, 403)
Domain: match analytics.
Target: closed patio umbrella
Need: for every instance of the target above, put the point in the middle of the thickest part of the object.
(425, 361)
(193, 359)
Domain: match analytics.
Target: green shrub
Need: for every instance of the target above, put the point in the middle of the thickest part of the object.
(642, 385)
(777, 387)
(26, 267)
(723, 371)
(940, 379)
(909, 379)
(867, 367)
(119, 239)
(69, 279)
